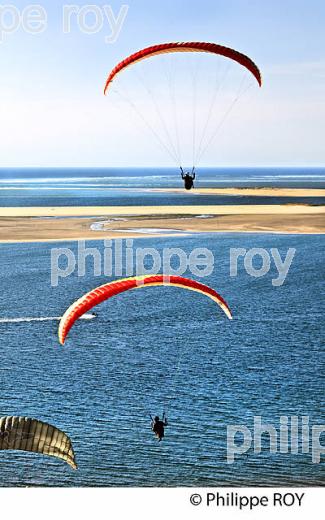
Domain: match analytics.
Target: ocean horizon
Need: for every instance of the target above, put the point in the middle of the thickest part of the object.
(120, 186)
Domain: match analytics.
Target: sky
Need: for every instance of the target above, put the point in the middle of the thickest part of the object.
(53, 112)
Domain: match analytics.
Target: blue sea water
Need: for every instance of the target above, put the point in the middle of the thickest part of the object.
(165, 345)
(120, 186)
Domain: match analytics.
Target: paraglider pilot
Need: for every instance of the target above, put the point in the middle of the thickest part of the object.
(188, 178)
(158, 426)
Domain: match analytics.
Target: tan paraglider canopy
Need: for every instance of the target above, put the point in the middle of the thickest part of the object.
(23, 433)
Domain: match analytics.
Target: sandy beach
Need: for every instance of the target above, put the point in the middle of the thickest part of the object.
(34, 224)
(97, 211)
(249, 192)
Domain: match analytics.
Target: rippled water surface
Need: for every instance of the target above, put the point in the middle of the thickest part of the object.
(164, 347)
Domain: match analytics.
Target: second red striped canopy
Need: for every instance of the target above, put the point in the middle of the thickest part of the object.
(106, 291)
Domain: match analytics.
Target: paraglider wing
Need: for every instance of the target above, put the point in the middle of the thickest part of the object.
(103, 292)
(23, 433)
(164, 48)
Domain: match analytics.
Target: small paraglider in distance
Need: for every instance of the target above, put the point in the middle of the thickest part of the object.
(158, 426)
(32, 435)
(188, 178)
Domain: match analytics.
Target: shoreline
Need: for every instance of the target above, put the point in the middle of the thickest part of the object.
(235, 191)
(138, 236)
(127, 211)
(64, 224)
(245, 191)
